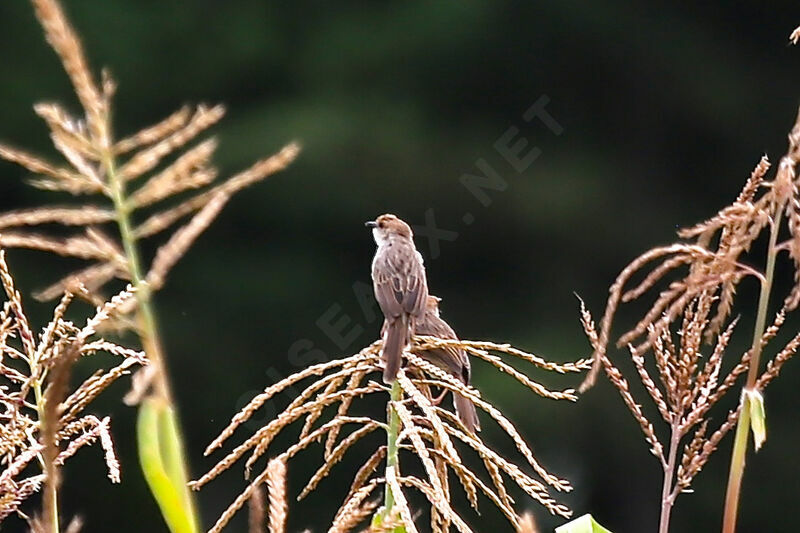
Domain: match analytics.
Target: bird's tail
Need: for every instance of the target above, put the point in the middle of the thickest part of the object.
(395, 340)
(466, 412)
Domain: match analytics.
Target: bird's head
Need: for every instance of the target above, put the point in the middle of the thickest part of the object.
(387, 226)
(432, 304)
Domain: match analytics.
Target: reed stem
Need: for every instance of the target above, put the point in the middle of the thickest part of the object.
(667, 492)
(743, 424)
(50, 498)
(145, 312)
(391, 443)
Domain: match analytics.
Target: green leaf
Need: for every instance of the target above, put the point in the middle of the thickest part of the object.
(377, 521)
(758, 417)
(584, 524)
(163, 466)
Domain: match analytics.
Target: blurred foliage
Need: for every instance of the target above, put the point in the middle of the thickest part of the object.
(665, 108)
(583, 524)
(163, 465)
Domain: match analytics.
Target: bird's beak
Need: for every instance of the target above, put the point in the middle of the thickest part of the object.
(371, 224)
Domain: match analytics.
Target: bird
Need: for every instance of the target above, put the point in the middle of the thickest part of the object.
(400, 285)
(453, 360)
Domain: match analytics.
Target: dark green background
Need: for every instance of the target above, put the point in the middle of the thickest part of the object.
(665, 109)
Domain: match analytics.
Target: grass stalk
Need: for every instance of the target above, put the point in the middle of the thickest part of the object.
(145, 317)
(50, 498)
(743, 425)
(391, 444)
(667, 491)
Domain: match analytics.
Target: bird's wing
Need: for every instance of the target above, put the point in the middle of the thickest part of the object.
(399, 281)
(385, 283)
(449, 357)
(416, 296)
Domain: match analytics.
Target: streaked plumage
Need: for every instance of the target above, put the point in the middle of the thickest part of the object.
(452, 360)
(401, 289)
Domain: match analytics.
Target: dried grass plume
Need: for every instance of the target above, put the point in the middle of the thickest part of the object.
(43, 423)
(430, 435)
(680, 347)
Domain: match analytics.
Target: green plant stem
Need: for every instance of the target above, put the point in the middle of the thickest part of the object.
(145, 314)
(391, 444)
(743, 425)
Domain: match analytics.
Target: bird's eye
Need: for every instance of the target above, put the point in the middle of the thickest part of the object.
(380, 224)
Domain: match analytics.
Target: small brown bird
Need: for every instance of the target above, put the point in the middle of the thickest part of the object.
(398, 278)
(450, 359)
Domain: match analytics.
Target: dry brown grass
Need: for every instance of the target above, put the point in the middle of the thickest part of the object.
(119, 181)
(43, 422)
(115, 194)
(429, 435)
(698, 280)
